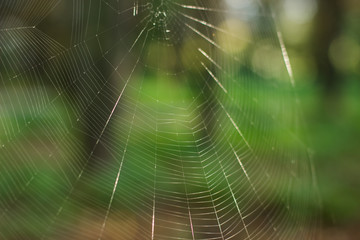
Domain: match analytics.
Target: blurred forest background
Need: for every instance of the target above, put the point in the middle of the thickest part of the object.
(323, 39)
(323, 42)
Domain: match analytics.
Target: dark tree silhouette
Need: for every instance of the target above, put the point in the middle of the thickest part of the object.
(327, 27)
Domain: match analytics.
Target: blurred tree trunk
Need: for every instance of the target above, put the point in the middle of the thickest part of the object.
(327, 27)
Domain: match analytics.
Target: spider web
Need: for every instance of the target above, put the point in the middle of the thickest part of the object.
(149, 119)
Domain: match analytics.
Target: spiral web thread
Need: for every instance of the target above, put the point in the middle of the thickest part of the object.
(149, 120)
